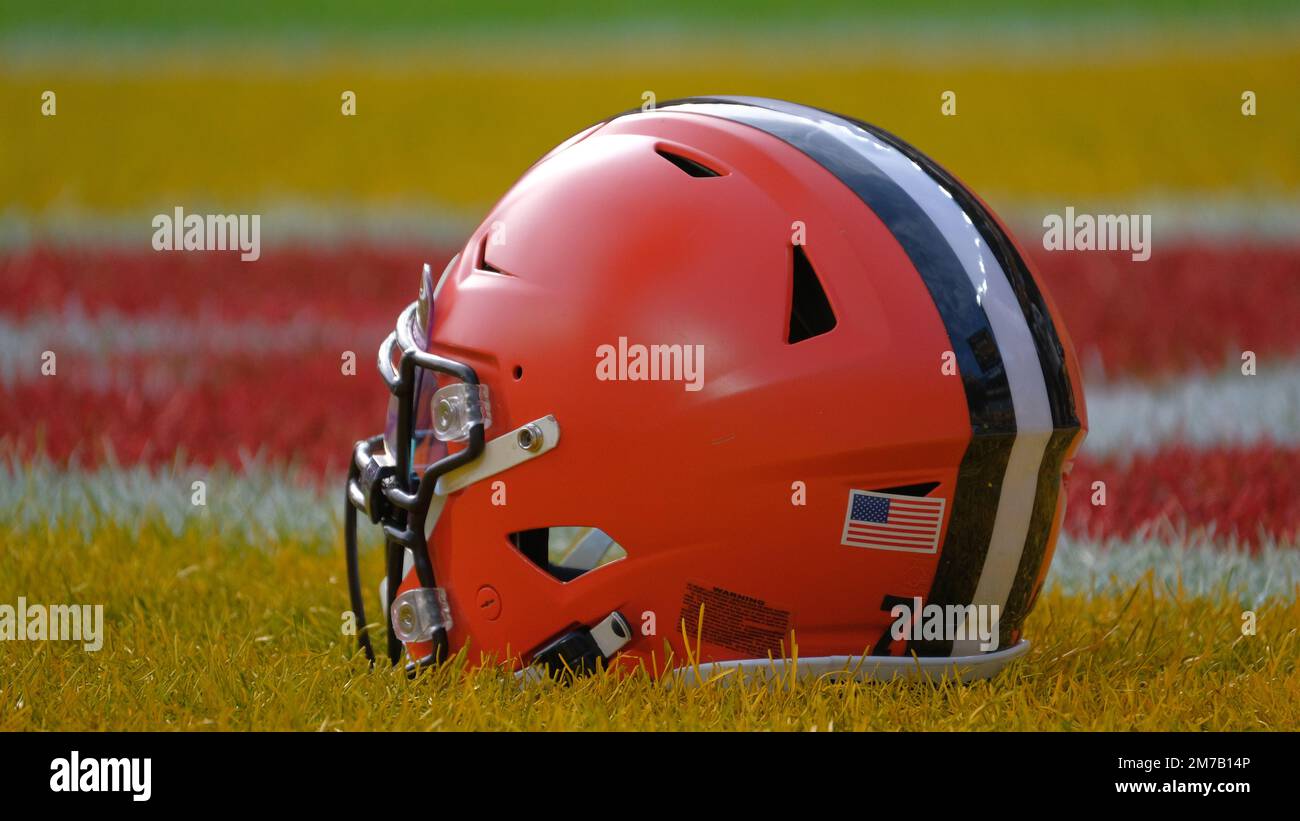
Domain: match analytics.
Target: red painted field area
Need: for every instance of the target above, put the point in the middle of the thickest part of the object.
(225, 361)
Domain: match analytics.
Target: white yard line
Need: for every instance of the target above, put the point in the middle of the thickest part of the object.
(1207, 569)
(1200, 411)
(1190, 219)
(106, 335)
(260, 505)
(287, 223)
(264, 507)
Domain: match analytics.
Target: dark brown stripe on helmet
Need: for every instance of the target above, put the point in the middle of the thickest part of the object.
(1020, 599)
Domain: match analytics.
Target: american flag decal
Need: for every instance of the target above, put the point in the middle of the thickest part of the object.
(887, 521)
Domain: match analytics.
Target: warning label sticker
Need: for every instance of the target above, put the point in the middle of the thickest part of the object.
(741, 623)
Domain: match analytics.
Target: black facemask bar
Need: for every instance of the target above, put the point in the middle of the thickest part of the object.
(392, 495)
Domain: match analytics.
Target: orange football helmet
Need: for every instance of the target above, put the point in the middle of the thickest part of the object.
(726, 371)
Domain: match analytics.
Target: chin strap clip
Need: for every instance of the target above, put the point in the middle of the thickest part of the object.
(582, 651)
(366, 489)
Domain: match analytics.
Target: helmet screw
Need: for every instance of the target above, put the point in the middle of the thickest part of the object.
(529, 437)
(443, 414)
(406, 616)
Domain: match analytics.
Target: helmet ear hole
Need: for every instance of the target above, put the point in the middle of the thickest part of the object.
(519, 372)
(566, 553)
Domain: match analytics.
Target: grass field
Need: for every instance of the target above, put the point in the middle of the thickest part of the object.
(390, 16)
(210, 627)
(176, 367)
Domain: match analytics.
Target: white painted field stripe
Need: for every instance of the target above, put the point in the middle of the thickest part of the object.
(1203, 568)
(258, 504)
(1221, 219)
(287, 223)
(1202, 411)
(264, 506)
(1194, 219)
(107, 334)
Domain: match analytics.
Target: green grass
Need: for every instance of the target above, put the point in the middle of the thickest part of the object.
(209, 630)
(390, 16)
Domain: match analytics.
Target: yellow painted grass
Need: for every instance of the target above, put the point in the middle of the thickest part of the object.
(205, 633)
(451, 126)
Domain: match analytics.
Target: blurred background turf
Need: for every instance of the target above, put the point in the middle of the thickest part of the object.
(404, 16)
(236, 106)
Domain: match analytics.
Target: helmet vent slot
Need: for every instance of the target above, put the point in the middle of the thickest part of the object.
(919, 489)
(810, 310)
(483, 264)
(566, 553)
(691, 167)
